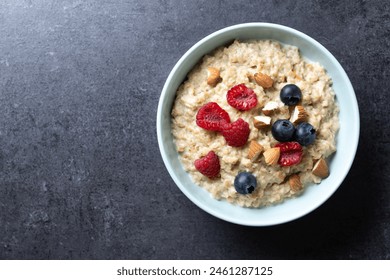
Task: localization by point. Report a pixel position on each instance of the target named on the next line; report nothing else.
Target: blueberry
(305, 134)
(290, 94)
(283, 130)
(245, 183)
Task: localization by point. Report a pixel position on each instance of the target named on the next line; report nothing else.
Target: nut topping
(270, 108)
(255, 150)
(321, 169)
(261, 122)
(298, 115)
(263, 80)
(214, 76)
(295, 183)
(271, 156)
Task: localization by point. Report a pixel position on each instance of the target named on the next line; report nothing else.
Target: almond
(298, 115)
(214, 76)
(295, 183)
(321, 169)
(261, 122)
(270, 107)
(271, 156)
(255, 150)
(263, 80)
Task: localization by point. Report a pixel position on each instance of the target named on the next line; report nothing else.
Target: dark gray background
(81, 176)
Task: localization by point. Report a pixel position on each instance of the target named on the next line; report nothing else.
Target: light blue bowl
(347, 138)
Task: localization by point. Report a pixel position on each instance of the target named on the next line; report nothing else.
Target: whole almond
(321, 168)
(263, 80)
(255, 150)
(271, 156)
(214, 76)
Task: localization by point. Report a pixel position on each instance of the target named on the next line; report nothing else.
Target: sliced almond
(261, 122)
(263, 80)
(270, 107)
(271, 156)
(295, 183)
(255, 150)
(321, 169)
(298, 115)
(214, 76)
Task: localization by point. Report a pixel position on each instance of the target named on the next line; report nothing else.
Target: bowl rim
(353, 143)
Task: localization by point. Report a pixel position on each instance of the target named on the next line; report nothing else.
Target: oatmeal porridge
(244, 139)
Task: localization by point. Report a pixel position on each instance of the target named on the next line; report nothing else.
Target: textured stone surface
(81, 175)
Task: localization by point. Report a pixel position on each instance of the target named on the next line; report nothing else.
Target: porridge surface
(237, 64)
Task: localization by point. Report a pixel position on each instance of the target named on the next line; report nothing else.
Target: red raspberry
(236, 133)
(212, 117)
(290, 153)
(241, 97)
(208, 165)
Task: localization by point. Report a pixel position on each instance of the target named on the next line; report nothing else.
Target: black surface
(81, 176)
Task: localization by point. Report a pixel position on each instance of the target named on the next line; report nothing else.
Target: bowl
(346, 140)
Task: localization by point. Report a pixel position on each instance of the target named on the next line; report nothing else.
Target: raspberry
(212, 117)
(236, 133)
(208, 165)
(290, 153)
(241, 97)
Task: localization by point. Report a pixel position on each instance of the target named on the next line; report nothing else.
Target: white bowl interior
(347, 138)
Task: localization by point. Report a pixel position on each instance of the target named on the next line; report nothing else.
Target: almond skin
(263, 80)
(298, 115)
(321, 168)
(271, 156)
(255, 150)
(261, 122)
(295, 183)
(270, 108)
(214, 76)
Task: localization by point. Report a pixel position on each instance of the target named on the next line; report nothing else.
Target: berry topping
(245, 183)
(283, 130)
(236, 133)
(290, 94)
(212, 117)
(290, 153)
(305, 134)
(208, 165)
(241, 97)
